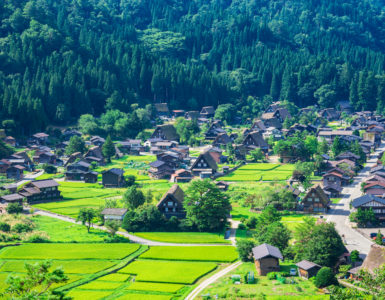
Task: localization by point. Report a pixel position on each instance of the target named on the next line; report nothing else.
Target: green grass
(185, 237)
(61, 231)
(156, 287)
(335, 200)
(224, 288)
(168, 271)
(49, 176)
(194, 253)
(114, 277)
(68, 251)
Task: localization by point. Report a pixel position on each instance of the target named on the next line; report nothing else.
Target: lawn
(68, 251)
(61, 231)
(260, 171)
(185, 237)
(168, 271)
(194, 253)
(224, 287)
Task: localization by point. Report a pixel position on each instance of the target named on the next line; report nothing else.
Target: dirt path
(211, 280)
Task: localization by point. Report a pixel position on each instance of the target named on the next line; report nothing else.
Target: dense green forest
(60, 59)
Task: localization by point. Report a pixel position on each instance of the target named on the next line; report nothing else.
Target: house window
(316, 199)
(170, 203)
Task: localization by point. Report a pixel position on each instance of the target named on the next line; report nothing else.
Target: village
(204, 178)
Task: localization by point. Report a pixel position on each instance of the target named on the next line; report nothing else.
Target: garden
(284, 288)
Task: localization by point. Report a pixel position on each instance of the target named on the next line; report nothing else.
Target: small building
(15, 172)
(166, 132)
(266, 258)
(90, 177)
(160, 170)
(44, 157)
(97, 140)
(10, 140)
(222, 185)
(113, 178)
(255, 140)
(171, 204)
(162, 109)
(316, 200)
(369, 201)
(114, 214)
(207, 112)
(176, 113)
(333, 190)
(40, 138)
(204, 164)
(181, 175)
(41, 191)
(307, 269)
(12, 198)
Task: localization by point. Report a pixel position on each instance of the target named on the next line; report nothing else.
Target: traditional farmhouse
(181, 175)
(307, 269)
(41, 191)
(15, 172)
(171, 204)
(162, 110)
(207, 112)
(255, 140)
(160, 170)
(371, 202)
(316, 200)
(166, 132)
(266, 259)
(376, 188)
(114, 214)
(113, 178)
(204, 164)
(12, 198)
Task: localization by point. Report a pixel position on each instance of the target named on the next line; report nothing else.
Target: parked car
(373, 235)
(293, 271)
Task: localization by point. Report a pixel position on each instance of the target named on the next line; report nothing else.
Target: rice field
(260, 172)
(185, 237)
(194, 253)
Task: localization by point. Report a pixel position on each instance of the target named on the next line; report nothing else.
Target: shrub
(130, 180)
(251, 222)
(272, 275)
(244, 248)
(116, 239)
(284, 274)
(5, 227)
(325, 277)
(49, 169)
(37, 238)
(242, 226)
(21, 227)
(14, 208)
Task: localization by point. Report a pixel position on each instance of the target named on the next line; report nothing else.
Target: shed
(307, 269)
(266, 258)
(116, 214)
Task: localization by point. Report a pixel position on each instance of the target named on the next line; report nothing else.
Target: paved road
(29, 177)
(133, 238)
(211, 280)
(339, 213)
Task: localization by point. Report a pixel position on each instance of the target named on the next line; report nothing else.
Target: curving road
(339, 213)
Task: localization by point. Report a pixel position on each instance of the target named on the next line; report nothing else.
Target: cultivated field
(185, 237)
(260, 172)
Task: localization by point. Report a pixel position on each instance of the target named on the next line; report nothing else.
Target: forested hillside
(63, 58)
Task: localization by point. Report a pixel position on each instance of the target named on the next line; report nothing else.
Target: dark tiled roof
(265, 250)
(12, 197)
(44, 183)
(306, 265)
(365, 199)
(115, 171)
(157, 164)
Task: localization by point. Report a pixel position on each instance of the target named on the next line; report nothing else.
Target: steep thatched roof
(375, 258)
(175, 192)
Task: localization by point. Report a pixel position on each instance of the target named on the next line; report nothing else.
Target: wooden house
(90, 177)
(207, 112)
(376, 188)
(348, 156)
(12, 198)
(170, 158)
(41, 191)
(258, 125)
(316, 200)
(171, 204)
(271, 121)
(222, 185)
(176, 113)
(44, 158)
(370, 201)
(40, 138)
(166, 132)
(222, 139)
(97, 140)
(214, 130)
(15, 172)
(10, 140)
(307, 269)
(4, 165)
(266, 258)
(332, 190)
(204, 164)
(375, 258)
(160, 170)
(68, 133)
(114, 214)
(162, 110)
(181, 175)
(192, 115)
(255, 140)
(329, 114)
(113, 178)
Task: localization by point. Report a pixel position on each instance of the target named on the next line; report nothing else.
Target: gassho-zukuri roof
(366, 199)
(114, 211)
(174, 192)
(306, 265)
(265, 250)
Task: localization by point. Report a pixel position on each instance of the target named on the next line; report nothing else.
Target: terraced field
(260, 172)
